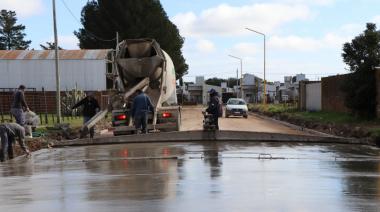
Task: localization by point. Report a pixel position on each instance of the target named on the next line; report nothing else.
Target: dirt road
(192, 120)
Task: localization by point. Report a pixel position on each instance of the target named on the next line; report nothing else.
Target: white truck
(142, 64)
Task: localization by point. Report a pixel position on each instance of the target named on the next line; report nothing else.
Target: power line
(209, 74)
(87, 31)
(282, 74)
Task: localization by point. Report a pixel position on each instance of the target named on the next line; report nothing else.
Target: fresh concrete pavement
(254, 164)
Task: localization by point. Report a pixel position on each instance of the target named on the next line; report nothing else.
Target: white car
(236, 107)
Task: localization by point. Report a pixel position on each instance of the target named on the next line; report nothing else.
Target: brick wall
(332, 94)
(333, 97)
(302, 96)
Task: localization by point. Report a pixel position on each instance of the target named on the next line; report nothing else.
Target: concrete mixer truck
(142, 64)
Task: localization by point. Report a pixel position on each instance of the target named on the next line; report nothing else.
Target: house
(250, 87)
(198, 92)
(289, 90)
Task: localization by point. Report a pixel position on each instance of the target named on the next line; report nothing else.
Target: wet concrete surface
(204, 176)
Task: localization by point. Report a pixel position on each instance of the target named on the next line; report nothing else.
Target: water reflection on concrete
(205, 176)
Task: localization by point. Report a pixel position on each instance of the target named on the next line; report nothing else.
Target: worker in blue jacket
(142, 105)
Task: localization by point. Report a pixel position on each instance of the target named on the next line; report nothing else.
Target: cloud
(68, 41)
(352, 28)
(205, 46)
(230, 20)
(308, 44)
(246, 49)
(65, 41)
(23, 8)
(295, 43)
(376, 20)
(309, 2)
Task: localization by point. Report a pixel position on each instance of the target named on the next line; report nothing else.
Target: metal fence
(44, 104)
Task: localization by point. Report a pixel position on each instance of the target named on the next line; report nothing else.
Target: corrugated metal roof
(94, 54)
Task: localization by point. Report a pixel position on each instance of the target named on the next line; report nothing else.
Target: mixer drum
(138, 59)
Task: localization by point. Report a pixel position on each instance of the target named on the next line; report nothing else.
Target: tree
(362, 55)
(215, 81)
(49, 46)
(101, 20)
(231, 82)
(11, 35)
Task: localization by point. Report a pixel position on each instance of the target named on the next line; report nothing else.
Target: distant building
(289, 90)
(251, 84)
(199, 80)
(287, 81)
(84, 69)
(198, 92)
(298, 78)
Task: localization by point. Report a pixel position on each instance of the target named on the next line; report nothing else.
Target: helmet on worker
(212, 91)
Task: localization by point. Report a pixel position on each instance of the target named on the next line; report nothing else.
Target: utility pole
(57, 77)
(265, 82)
(114, 64)
(241, 74)
(237, 80)
(241, 79)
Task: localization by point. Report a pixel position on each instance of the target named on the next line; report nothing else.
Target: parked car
(236, 107)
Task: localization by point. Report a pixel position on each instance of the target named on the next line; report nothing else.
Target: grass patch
(75, 122)
(320, 116)
(375, 131)
(325, 117)
(273, 108)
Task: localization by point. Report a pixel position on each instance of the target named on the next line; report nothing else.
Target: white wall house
(85, 69)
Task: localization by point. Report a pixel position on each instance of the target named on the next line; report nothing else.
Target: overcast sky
(303, 36)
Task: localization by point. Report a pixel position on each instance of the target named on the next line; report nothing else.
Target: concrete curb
(196, 136)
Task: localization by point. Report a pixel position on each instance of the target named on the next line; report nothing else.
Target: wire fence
(43, 103)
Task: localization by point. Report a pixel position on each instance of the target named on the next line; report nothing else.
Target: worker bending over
(9, 132)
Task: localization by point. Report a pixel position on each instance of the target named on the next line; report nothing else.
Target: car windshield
(235, 102)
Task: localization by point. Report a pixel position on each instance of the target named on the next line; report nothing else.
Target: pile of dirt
(34, 144)
(57, 134)
(102, 125)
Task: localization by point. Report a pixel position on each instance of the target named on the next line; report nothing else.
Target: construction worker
(214, 107)
(90, 109)
(142, 105)
(9, 132)
(19, 105)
